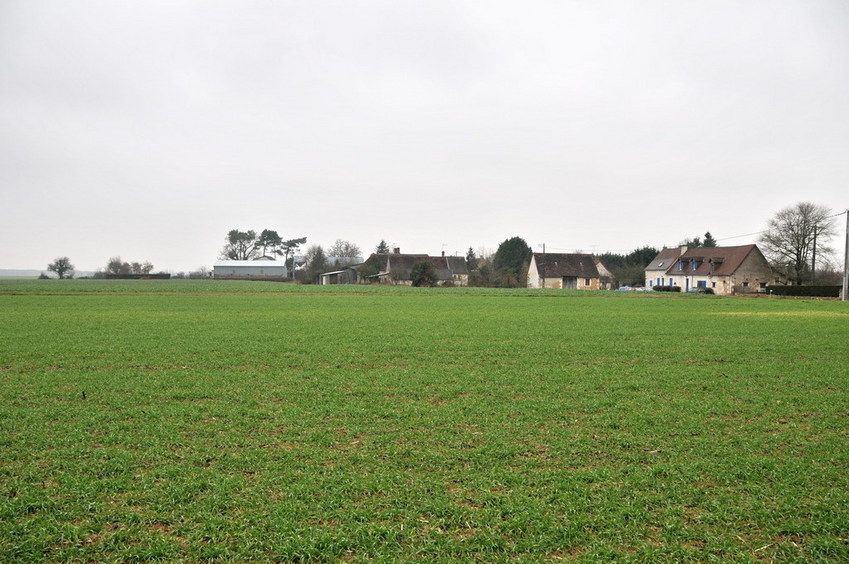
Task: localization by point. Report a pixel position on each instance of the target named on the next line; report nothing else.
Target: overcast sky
(149, 129)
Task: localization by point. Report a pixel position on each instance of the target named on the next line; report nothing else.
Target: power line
(741, 236)
(765, 230)
(593, 250)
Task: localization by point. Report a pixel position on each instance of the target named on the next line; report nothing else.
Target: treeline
(629, 269)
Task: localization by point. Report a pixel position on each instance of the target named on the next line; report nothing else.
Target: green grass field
(235, 421)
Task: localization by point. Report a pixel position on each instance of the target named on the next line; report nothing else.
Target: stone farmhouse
(726, 270)
(396, 268)
(568, 271)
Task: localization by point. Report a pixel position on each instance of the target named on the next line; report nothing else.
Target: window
(586, 281)
(746, 284)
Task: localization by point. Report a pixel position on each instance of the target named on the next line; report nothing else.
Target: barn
(250, 269)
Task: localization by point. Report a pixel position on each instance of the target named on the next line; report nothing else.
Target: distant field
(200, 420)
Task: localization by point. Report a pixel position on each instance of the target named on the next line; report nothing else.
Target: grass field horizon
(233, 421)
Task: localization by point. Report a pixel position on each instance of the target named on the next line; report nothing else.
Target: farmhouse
(396, 268)
(250, 269)
(568, 271)
(726, 270)
(448, 270)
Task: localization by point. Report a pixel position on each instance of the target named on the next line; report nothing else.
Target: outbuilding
(568, 271)
(236, 269)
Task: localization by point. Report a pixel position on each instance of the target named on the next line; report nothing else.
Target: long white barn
(250, 269)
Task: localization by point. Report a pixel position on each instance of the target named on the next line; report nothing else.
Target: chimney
(443, 254)
(397, 250)
(683, 249)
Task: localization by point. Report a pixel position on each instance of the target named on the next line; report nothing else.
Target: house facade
(726, 270)
(568, 271)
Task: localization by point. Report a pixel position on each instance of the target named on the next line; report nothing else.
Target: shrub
(667, 288)
(807, 291)
(423, 274)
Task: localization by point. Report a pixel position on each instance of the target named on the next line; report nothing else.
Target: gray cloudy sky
(148, 129)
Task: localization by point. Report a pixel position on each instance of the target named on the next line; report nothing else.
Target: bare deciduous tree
(344, 252)
(794, 234)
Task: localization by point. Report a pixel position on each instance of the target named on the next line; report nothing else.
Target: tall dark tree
(471, 259)
(794, 234)
(511, 262)
(709, 241)
(289, 248)
(270, 242)
(62, 266)
(382, 248)
(316, 263)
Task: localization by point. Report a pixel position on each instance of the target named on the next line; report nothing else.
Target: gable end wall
(755, 270)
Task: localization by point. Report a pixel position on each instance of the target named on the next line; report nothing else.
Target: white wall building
(250, 269)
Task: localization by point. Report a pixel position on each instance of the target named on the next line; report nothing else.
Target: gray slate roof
(444, 267)
(558, 265)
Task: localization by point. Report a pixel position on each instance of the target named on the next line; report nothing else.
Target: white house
(726, 270)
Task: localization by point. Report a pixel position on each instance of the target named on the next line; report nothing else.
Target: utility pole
(846, 262)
